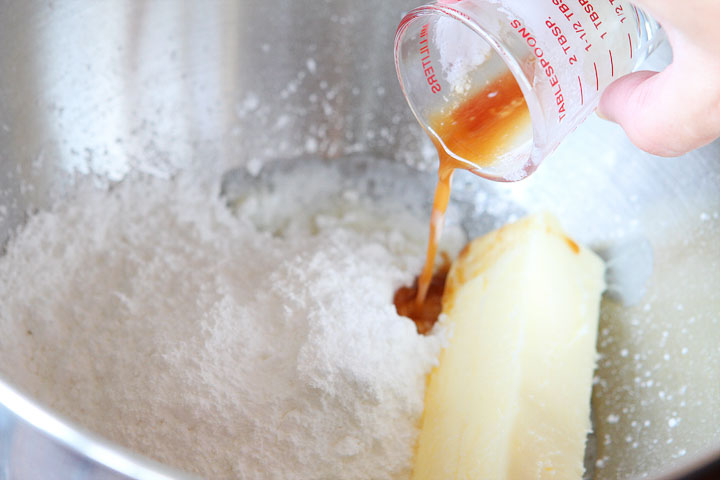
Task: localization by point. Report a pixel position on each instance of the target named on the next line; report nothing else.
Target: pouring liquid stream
(478, 129)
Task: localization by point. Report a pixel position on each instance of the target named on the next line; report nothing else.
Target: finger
(668, 113)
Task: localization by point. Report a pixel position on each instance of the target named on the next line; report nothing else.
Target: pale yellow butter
(510, 398)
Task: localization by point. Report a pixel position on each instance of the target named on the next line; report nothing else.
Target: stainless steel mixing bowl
(102, 88)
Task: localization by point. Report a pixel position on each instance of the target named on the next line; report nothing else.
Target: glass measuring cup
(558, 55)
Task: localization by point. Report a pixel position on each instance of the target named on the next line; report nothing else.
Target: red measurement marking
(457, 12)
(582, 96)
(427, 66)
(612, 65)
(631, 47)
(637, 15)
(597, 77)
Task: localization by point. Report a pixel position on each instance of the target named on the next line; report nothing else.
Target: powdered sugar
(461, 51)
(154, 316)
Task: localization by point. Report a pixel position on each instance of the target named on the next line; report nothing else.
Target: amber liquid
(479, 129)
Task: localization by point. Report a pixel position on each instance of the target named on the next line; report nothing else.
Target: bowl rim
(699, 467)
(136, 466)
(77, 439)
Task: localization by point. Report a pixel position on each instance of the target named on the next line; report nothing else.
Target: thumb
(672, 112)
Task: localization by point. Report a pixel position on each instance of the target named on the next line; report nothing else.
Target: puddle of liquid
(426, 315)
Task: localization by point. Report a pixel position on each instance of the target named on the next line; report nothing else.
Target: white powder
(461, 52)
(155, 317)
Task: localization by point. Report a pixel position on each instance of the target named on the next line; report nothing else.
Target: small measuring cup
(561, 53)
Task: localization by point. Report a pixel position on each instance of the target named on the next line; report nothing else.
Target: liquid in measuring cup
(485, 125)
(498, 85)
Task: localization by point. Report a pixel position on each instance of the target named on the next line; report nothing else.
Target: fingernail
(600, 114)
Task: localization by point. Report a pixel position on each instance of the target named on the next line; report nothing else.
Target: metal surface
(101, 88)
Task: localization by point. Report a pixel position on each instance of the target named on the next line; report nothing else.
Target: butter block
(510, 398)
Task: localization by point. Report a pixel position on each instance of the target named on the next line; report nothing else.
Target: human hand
(678, 110)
